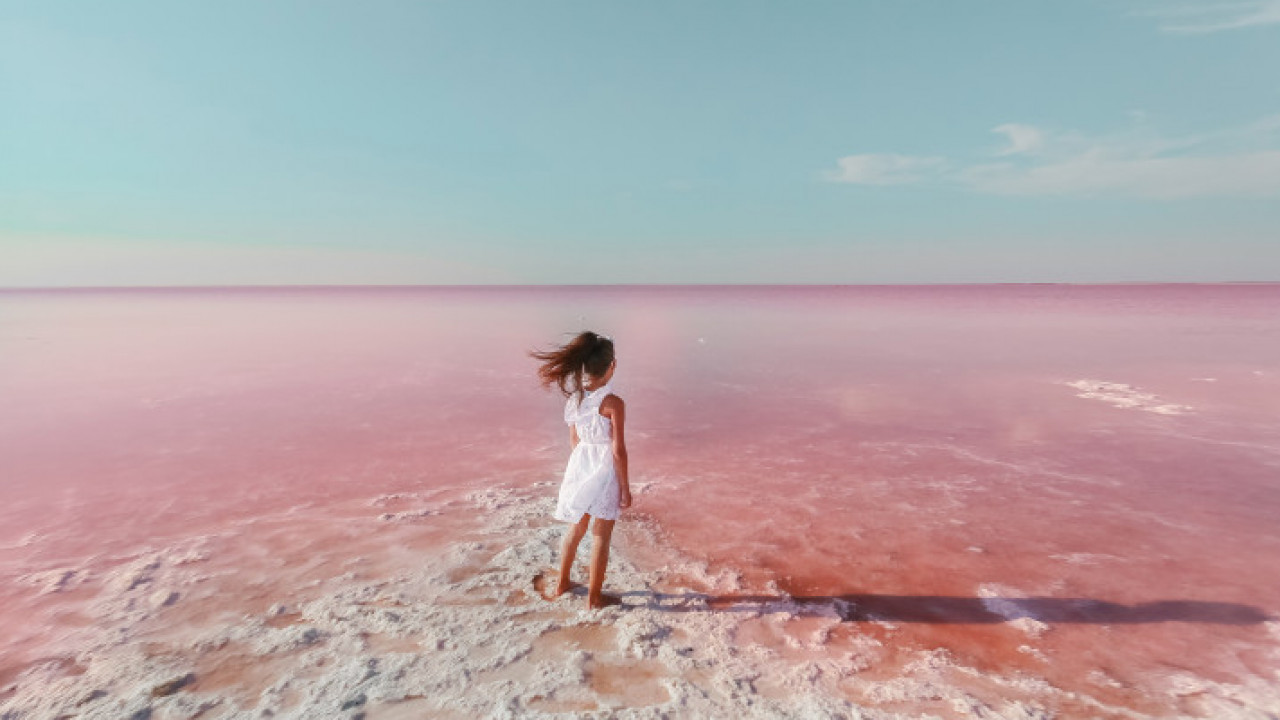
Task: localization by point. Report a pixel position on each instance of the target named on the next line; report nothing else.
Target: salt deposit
(457, 629)
(1122, 395)
(1003, 601)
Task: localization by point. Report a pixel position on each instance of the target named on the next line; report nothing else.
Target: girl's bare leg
(602, 532)
(568, 551)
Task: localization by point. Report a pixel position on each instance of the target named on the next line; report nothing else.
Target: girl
(595, 481)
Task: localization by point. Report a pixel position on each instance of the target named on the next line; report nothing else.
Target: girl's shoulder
(570, 408)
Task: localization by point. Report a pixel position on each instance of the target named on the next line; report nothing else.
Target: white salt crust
(461, 633)
(1003, 601)
(1125, 396)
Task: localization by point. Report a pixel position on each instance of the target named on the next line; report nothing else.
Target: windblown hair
(564, 366)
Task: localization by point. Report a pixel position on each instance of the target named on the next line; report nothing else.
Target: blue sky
(162, 143)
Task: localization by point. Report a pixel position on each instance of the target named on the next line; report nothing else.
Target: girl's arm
(573, 437)
(617, 413)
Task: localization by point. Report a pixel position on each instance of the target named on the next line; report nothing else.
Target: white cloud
(884, 169)
(1092, 173)
(1022, 138)
(1239, 162)
(1209, 17)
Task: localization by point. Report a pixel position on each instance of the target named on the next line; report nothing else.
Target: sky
(599, 142)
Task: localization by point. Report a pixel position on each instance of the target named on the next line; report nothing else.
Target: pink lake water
(880, 501)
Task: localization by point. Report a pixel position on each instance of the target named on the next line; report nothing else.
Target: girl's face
(608, 374)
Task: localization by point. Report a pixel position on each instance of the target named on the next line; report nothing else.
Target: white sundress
(590, 482)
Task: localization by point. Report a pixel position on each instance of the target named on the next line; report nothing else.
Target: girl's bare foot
(549, 590)
(603, 601)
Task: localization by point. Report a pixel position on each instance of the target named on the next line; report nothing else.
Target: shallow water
(1023, 501)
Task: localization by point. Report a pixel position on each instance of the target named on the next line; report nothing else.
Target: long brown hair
(588, 352)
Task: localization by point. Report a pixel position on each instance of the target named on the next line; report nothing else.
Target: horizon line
(534, 286)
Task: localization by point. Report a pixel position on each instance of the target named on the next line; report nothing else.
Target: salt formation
(384, 629)
(1125, 396)
(1003, 601)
